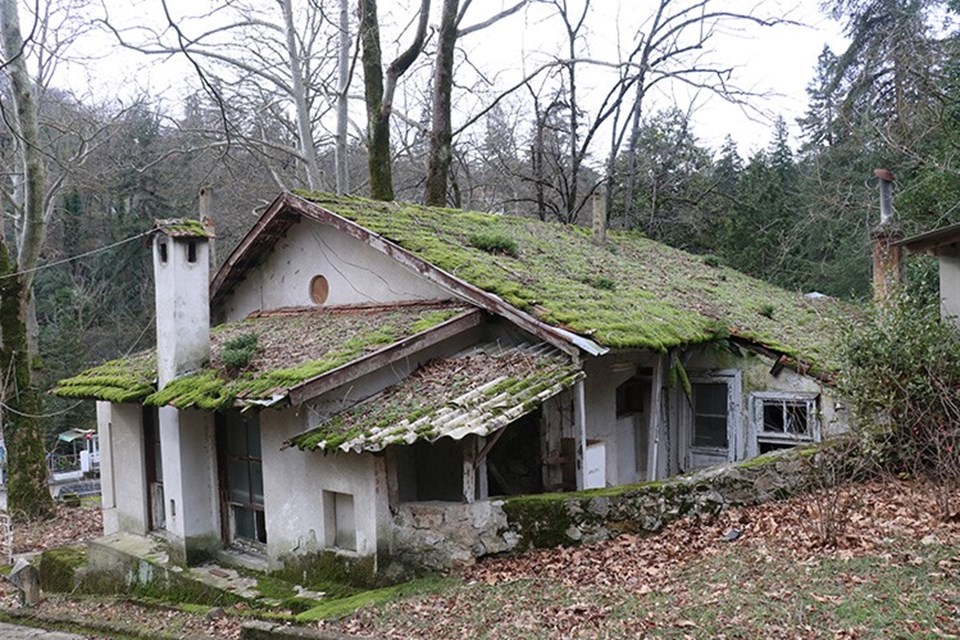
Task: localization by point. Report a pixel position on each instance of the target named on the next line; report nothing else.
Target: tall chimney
(599, 217)
(885, 239)
(208, 205)
(181, 267)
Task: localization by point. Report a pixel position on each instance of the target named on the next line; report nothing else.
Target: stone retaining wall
(439, 535)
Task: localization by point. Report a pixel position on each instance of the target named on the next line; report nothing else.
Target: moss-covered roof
(292, 348)
(473, 393)
(129, 379)
(630, 292)
(182, 228)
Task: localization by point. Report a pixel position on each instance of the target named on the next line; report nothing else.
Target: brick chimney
(181, 267)
(885, 240)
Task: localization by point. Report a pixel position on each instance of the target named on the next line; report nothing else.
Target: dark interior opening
(514, 465)
(430, 471)
(192, 251)
(163, 252)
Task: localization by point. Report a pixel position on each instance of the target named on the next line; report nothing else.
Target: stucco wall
(122, 470)
(606, 373)
(356, 274)
(293, 486)
(950, 287)
(190, 485)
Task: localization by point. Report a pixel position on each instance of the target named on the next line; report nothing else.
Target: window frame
(758, 435)
(235, 420)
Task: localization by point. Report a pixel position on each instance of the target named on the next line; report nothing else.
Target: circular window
(319, 289)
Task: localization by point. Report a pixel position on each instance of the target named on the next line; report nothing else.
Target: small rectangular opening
(192, 251)
(340, 520)
(163, 252)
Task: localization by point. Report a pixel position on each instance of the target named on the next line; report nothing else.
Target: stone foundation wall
(439, 535)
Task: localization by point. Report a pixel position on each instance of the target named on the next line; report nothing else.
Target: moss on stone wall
(60, 569)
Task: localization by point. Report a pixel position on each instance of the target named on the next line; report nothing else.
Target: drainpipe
(885, 240)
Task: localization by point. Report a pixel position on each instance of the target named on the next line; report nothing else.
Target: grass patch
(344, 606)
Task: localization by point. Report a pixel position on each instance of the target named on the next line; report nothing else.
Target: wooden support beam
(655, 424)
(580, 420)
(469, 468)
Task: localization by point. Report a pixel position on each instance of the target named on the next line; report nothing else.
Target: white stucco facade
(355, 273)
(122, 470)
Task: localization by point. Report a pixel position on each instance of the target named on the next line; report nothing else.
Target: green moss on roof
(183, 228)
(662, 297)
(129, 379)
(292, 348)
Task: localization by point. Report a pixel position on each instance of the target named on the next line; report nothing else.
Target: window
(192, 251)
(630, 397)
(162, 246)
(784, 420)
(340, 520)
(244, 477)
(710, 411)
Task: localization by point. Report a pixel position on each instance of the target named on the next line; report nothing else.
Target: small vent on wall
(319, 289)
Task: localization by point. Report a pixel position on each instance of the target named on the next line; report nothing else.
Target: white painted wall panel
(356, 273)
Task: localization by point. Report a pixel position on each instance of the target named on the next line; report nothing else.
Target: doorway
(241, 478)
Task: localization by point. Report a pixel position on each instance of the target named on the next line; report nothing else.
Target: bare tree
(379, 91)
(261, 62)
(23, 430)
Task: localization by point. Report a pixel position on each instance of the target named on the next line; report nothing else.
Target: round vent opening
(319, 289)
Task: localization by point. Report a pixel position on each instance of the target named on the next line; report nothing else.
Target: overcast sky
(778, 60)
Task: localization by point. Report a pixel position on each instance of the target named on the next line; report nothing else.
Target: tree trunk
(438, 165)
(343, 71)
(378, 122)
(304, 130)
(27, 494)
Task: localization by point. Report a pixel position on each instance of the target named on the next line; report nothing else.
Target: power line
(76, 257)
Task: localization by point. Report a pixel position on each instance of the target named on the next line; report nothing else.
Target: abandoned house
(353, 360)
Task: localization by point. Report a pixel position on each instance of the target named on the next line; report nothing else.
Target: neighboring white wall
(356, 273)
(604, 375)
(950, 287)
(182, 307)
(190, 479)
(293, 486)
(123, 474)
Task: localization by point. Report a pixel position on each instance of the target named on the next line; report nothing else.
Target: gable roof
(477, 393)
(300, 353)
(630, 292)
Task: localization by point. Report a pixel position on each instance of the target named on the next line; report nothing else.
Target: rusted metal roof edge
(932, 239)
(560, 338)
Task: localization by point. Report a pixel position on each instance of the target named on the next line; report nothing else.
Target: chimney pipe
(208, 203)
(885, 238)
(599, 217)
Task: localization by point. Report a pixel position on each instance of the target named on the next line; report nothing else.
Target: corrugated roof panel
(474, 393)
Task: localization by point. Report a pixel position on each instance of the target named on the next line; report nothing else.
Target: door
(241, 477)
(154, 464)
(711, 421)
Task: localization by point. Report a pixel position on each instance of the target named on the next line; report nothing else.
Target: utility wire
(76, 257)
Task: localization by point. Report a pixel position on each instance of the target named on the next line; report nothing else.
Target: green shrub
(766, 310)
(901, 375)
(711, 261)
(238, 352)
(495, 243)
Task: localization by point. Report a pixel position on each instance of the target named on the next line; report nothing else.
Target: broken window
(710, 411)
(784, 420)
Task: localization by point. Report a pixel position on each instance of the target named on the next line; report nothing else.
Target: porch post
(654, 426)
(469, 468)
(580, 420)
